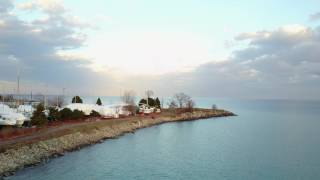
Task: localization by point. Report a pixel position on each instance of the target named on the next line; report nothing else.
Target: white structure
(144, 108)
(105, 111)
(10, 117)
(26, 110)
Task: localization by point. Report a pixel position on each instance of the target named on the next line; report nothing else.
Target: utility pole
(18, 87)
(63, 91)
(2, 97)
(58, 100)
(162, 101)
(45, 97)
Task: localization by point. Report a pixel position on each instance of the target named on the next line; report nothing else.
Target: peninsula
(56, 139)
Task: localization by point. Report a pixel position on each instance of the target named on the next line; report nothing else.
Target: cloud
(34, 48)
(280, 63)
(314, 17)
(149, 52)
(5, 6)
(48, 6)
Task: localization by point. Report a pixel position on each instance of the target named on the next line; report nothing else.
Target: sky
(232, 49)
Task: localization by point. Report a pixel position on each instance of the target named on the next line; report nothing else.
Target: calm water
(268, 140)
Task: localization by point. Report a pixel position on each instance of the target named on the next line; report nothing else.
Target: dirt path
(57, 131)
(50, 131)
(36, 135)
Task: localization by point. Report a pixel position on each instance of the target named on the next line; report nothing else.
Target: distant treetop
(77, 99)
(99, 102)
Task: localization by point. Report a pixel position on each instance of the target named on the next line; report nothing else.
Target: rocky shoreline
(17, 158)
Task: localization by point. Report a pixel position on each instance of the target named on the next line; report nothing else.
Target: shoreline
(38, 151)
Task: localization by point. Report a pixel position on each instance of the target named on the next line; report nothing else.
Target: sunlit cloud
(149, 52)
(103, 54)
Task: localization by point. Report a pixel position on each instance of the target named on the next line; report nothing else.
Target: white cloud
(279, 63)
(48, 6)
(149, 52)
(27, 6)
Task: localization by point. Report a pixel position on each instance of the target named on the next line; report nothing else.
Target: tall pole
(18, 87)
(2, 97)
(45, 97)
(63, 91)
(58, 100)
(147, 99)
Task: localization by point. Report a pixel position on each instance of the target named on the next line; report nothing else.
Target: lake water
(270, 139)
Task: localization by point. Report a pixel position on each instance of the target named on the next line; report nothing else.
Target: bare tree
(149, 93)
(55, 101)
(129, 98)
(182, 99)
(60, 101)
(190, 105)
(214, 107)
(172, 104)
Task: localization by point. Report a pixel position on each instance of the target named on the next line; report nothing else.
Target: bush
(39, 118)
(54, 114)
(95, 114)
(76, 114)
(77, 99)
(66, 113)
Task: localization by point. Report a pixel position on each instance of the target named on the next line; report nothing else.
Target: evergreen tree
(76, 99)
(54, 114)
(142, 101)
(39, 118)
(65, 114)
(151, 102)
(158, 104)
(99, 102)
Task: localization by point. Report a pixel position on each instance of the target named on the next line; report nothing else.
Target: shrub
(76, 99)
(66, 113)
(76, 114)
(99, 102)
(54, 114)
(95, 114)
(39, 118)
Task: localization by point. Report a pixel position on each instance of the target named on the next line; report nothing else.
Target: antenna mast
(18, 87)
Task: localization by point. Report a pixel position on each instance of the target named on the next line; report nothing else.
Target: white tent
(9, 116)
(105, 110)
